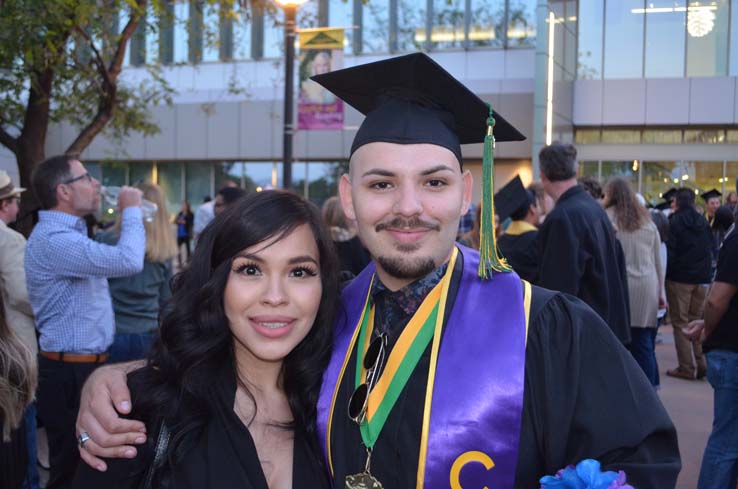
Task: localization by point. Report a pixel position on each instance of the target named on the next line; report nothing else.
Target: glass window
(273, 34)
(323, 178)
(734, 38)
(624, 39)
(707, 38)
(197, 183)
(587, 136)
(123, 17)
(662, 137)
(152, 36)
(181, 38)
(411, 17)
(113, 174)
(665, 38)
(521, 23)
(228, 173)
(621, 136)
(619, 169)
(241, 32)
(731, 174)
(590, 21)
(710, 136)
(375, 24)
(264, 174)
(589, 169)
(731, 136)
(169, 178)
(704, 176)
(487, 26)
(141, 172)
(448, 24)
(210, 32)
(657, 178)
(299, 178)
(307, 15)
(341, 14)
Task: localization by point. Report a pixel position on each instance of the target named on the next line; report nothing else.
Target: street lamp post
(290, 13)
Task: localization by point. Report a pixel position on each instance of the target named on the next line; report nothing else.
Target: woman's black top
(221, 455)
(13, 458)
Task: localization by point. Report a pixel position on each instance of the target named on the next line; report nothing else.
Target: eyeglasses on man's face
(85, 176)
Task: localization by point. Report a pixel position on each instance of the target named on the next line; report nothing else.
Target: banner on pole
(321, 51)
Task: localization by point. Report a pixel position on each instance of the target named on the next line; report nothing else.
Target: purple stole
(475, 416)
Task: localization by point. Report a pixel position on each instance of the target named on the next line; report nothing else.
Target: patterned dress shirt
(66, 275)
(394, 309)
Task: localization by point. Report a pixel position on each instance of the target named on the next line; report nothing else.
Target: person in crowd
(467, 221)
(641, 244)
(721, 223)
(582, 388)
(351, 253)
(687, 275)
(17, 387)
(593, 187)
(233, 378)
(226, 197)
(719, 335)
(139, 299)
(662, 224)
(518, 244)
(66, 276)
(711, 199)
(471, 238)
(732, 199)
(544, 202)
(203, 215)
(184, 220)
(577, 249)
(17, 307)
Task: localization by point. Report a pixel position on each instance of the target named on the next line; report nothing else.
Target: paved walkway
(689, 404)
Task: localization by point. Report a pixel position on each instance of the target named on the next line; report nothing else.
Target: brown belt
(75, 357)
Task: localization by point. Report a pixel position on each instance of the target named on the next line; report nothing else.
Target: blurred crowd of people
(78, 301)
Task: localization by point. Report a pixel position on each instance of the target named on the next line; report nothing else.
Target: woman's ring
(83, 437)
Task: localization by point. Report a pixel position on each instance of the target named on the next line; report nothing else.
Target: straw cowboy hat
(7, 189)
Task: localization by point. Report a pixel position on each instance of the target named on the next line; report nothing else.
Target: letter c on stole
(465, 458)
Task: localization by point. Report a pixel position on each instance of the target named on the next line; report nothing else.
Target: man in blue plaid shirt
(466, 223)
(66, 275)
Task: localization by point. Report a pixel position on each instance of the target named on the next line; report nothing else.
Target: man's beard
(406, 268)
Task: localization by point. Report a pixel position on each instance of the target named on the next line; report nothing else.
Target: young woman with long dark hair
(235, 373)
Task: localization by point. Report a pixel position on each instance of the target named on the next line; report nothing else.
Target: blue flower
(586, 475)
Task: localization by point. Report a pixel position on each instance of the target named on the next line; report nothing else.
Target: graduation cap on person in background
(512, 198)
(669, 194)
(711, 194)
(411, 99)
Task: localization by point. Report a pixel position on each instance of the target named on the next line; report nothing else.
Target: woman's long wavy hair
(160, 243)
(195, 341)
(18, 376)
(629, 213)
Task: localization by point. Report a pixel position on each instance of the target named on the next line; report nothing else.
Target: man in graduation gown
(466, 382)
(518, 244)
(578, 251)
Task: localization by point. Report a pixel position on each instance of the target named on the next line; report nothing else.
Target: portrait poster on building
(321, 51)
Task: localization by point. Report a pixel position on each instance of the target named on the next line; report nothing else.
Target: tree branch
(8, 141)
(99, 61)
(117, 62)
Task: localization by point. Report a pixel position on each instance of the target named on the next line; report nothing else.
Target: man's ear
(347, 200)
(468, 182)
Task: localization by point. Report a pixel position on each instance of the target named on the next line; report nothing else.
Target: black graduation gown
(222, 456)
(584, 397)
(521, 252)
(580, 255)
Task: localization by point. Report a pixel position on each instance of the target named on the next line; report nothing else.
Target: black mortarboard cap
(411, 99)
(710, 194)
(669, 194)
(510, 198)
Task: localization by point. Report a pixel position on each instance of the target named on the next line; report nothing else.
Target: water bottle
(148, 208)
